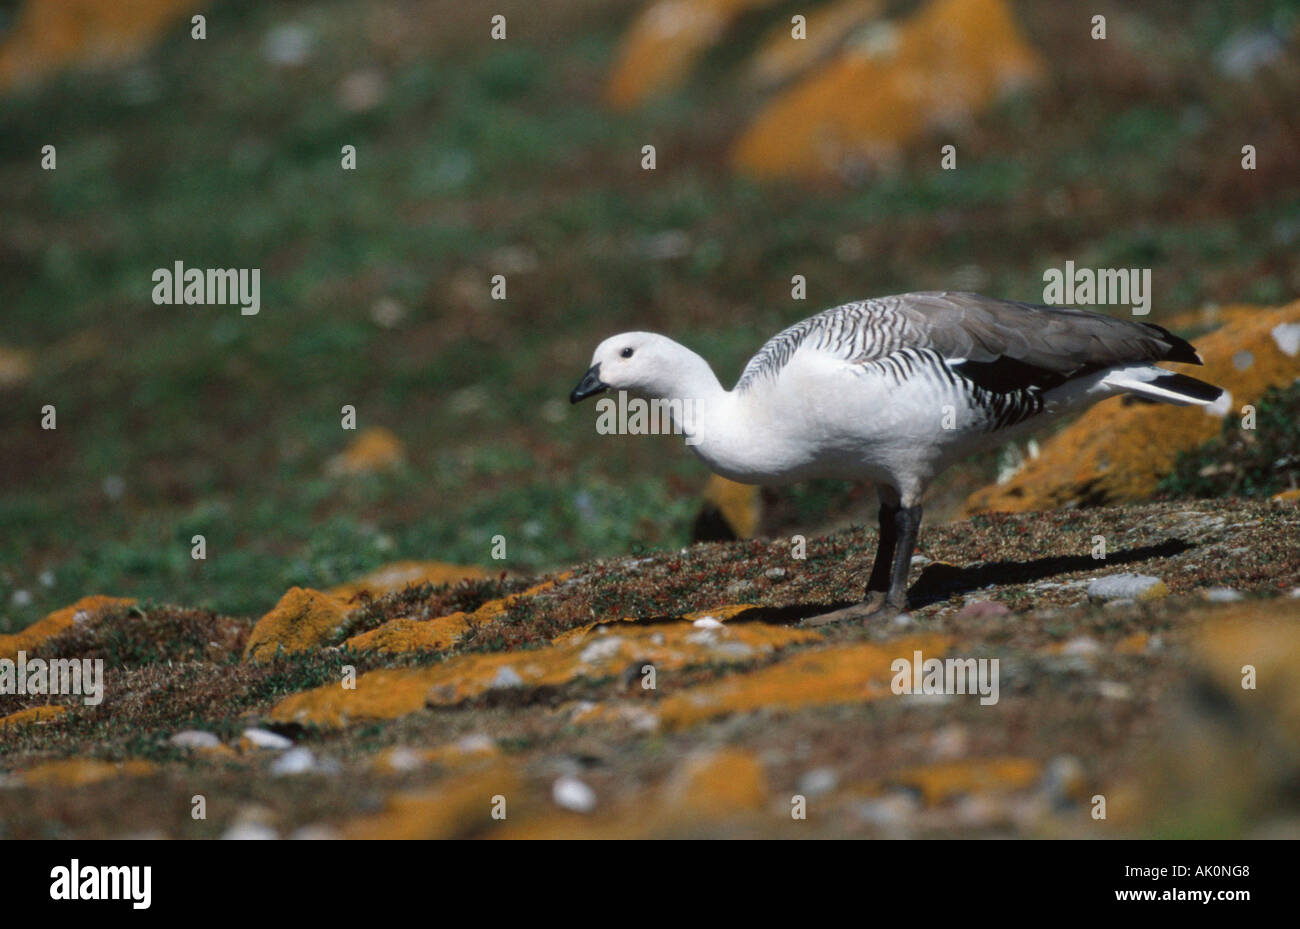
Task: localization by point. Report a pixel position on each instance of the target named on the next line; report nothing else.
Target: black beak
(590, 384)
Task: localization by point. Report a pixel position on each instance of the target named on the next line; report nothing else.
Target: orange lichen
(51, 34)
(739, 504)
(462, 807)
(665, 41)
(374, 449)
(781, 56)
(843, 674)
(84, 610)
(1134, 644)
(32, 715)
(938, 783)
(303, 619)
(1116, 453)
(943, 65)
(399, 575)
(411, 635)
(671, 646)
(717, 784)
(415, 635)
(78, 772)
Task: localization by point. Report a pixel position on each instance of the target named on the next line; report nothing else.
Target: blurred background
(523, 156)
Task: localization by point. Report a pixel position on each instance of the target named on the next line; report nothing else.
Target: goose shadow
(941, 581)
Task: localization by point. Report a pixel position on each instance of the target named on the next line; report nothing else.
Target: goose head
(639, 362)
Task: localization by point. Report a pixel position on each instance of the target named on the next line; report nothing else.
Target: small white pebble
(506, 676)
(298, 760)
(1223, 595)
(572, 794)
(242, 832)
(707, 622)
(264, 738)
(818, 781)
(194, 738)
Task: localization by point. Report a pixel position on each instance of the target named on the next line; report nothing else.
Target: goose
(893, 390)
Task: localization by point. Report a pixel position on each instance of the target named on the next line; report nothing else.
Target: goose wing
(998, 344)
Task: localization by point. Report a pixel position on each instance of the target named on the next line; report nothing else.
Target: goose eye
(626, 353)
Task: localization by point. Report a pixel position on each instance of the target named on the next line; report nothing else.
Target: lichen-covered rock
(78, 772)
(374, 449)
(29, 640)
(665, 646)
(729, 511)
(418, 635)
(1127, 587)
(665, 41)
(820, 677)
(940, 67)
(303, 619)
(51, 34)
(399, 575)
(31, 716)
(1118, 453)
(781, 57)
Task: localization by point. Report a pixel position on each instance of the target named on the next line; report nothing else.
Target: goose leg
(908, 522)
(886, 593)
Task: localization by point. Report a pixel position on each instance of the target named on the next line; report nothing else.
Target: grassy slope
(221, 424)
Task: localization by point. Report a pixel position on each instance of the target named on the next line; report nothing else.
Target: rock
(1223, 595)
(666, 39)
(707, 622)
(729, 511)
(374, 449)
(948, 62)
(780, 58)
(818, 781)
(85, 610)
(194, 738)
(569, 793)
(31, 716)
(506, 676)
(1127, 587)
(44, 38)
(299, 760)
(316, 832)
(244, 832)
(303, 620)
(264, 739)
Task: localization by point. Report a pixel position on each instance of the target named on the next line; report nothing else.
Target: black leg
(880, 570)
(908, 520)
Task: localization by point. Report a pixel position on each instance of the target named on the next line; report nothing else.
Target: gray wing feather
(968, 326)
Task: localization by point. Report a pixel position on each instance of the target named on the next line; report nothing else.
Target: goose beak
(590, 384)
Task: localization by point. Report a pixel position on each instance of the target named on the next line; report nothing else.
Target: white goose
(894, 390)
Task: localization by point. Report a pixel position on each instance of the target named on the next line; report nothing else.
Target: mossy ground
(1087, 690)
